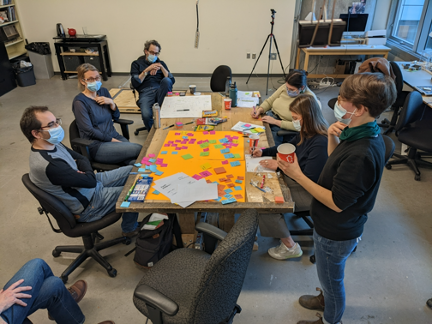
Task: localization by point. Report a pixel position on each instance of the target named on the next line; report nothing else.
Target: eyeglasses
(53, 124)
(153, 53)
(92, 79)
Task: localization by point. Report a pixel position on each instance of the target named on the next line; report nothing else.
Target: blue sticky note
(147, 167)
(137, 164)
(229, 156)
(218, 198)
(153, 168)
(228, 191)
(228, 196)
(156, 192)
(238, 181)
(152, 160)
(223, 140)
(158, 172)
(228, 201)
(141, 170)
(184, 137)
(225, 151)
(125, 204)
(238, 188)
(174, 152)
(164, 152)
(235, 163)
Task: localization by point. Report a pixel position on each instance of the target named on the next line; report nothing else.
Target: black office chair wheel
(417, 177)
(112, 273)
(136, 133)
(55, 253)
(388, 166)
(64, 279)
(127, 241)
(312, 258)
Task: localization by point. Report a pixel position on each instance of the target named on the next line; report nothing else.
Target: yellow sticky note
(259, 130)
(206, 166)
(235, 141)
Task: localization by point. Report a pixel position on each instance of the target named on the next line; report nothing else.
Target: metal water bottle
(227, 86)
(233, 94)
(156, 116)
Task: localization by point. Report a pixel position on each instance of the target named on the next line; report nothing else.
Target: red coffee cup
(253, 141)
(286, 152)
(227, 103)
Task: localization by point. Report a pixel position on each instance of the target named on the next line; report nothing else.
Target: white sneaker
(282, 252)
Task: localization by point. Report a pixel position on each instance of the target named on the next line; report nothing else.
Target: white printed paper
(185, 106)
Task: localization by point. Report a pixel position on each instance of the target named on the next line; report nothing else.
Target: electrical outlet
(248, 55)
(197, 35)
(273, 56)
(253, 56)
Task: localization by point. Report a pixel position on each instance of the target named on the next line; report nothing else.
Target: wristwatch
(145, 74)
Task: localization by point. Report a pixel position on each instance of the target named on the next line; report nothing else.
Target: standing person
(35, 287)
(311, 149)
(152, 79)
(347, 187)
(94, 112)
(276, 108)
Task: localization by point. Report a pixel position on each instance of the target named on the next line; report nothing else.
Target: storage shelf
(16, 54)
(8, 23)
(13, 43)
(77, 54)
(5, 6)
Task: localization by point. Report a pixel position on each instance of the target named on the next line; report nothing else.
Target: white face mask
(297, 124)
(340, 111)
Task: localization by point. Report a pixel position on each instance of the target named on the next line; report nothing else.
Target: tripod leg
(280, 60)
(268, 64)
(258, 58)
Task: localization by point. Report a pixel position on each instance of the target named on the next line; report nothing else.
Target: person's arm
(12, 296)
(138, 76)
(268, 103)
(60, 173)
(334, 132)
(82, 162)
(167, 72)
(271, 151)
(288, 125)
(84, 123)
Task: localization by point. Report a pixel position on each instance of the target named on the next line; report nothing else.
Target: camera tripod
(272, 37)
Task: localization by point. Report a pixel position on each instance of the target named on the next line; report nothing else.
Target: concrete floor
(388, 279)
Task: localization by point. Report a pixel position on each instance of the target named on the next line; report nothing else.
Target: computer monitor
(355, 24)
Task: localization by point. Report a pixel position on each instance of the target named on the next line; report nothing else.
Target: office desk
(417, 78)
(339, 50)
(254, 198)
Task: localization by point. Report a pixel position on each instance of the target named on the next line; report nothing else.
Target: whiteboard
(173, 107)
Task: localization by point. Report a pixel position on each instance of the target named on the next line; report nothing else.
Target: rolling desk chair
(219, 78)
(71, 228)
(200, 288)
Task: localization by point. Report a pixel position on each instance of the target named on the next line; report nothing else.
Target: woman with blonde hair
(311, 149)
(94, 111)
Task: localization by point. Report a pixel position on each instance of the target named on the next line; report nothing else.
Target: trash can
(24, 75)
(40, 57)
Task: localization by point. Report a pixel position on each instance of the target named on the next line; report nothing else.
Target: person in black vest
(347, 187)
(152, 79)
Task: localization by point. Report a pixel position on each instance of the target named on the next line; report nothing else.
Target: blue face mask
(94, 86)
(340, 111)
(297, 124)
(292, 94)
(151, 58)
(56, 135)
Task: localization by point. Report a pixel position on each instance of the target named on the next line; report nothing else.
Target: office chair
(305, 215)
(71, 228)
(414, 132)
(81, 145)
(192, 286)
(219, 78)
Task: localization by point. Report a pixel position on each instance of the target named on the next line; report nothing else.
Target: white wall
(229, 29)
(382, 11)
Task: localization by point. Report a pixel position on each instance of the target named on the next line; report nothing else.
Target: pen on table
(254, 107)
(190, 123)
(183, 110)
(221, 94)
(263, 180)
(169, 126)
(131, 188)
(257, 187)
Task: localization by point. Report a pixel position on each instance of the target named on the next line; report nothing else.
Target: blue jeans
(115, 152)
(108, 188)
(330, 259)
(48, 292)
(149, 96)
(274, 129)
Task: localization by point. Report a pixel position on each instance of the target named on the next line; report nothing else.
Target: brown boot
(77, 290)
(313, 302)
(319, 321)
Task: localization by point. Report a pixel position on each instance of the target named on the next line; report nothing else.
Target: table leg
(187, 223)
(226, 221)
(306, 62)
(386, 55)
(176, 230)
(298, 58)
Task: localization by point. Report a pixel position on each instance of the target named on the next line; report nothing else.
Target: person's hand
(115, 140)
(12, 295)
(269, 164)
(269, 120)
(152, 69)
(101, 100)
(292, 170)
(255, 114)
(336, 128)
(256, 152)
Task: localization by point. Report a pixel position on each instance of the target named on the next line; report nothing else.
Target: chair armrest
(81, 141)
(124, 121)
(211, 230)
(156, 299)
(124, 126)
(83, 145)
(284, 132)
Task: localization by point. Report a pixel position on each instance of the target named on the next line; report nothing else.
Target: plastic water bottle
(156, 116)
(233, 94)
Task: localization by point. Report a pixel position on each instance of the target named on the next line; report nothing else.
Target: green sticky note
(218, 146)
(204, 145)
(253, 131)
(204, 153)
(212, 141)
(187, 156)
(237, 156)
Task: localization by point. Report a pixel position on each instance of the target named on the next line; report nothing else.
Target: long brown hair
(82, 69)
(313, 120)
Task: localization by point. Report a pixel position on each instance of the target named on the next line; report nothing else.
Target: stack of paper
(245, 99)
(184, 190)
(248, 128)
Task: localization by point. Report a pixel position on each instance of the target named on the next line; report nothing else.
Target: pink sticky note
(212, 132)
(145, 158)
(173, 145)
(152, 155)
(225, 162)
(235, 137)
(177, 133)
(205, 174)
(196, 177)
(159, 160)
(184, 142)
(205, 133)
(263, 148)
(192, 141)
(184, 147)
(206, 149)
(247, 125)
(147, 163)
(178, 141)
(180, 124)
(235, 145)
(190, 134)
(206, 141)
(170, 142)
(163, 165)
(199, 142)
(166, 145)
(178, 148)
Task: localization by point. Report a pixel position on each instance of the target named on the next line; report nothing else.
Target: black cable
(197, 16)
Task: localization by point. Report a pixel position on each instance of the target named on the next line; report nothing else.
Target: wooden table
(254, 198)
(417, 78)
(339, 50)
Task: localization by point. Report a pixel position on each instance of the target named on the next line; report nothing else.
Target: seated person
(311, 149)
(68, 175)
(152, 79)
(276, 107)
(94, 112)
(34, 287)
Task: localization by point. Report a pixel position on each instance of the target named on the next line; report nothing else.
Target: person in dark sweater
(311, 149)
(94, 112)
(152, 79)
(347, 187)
